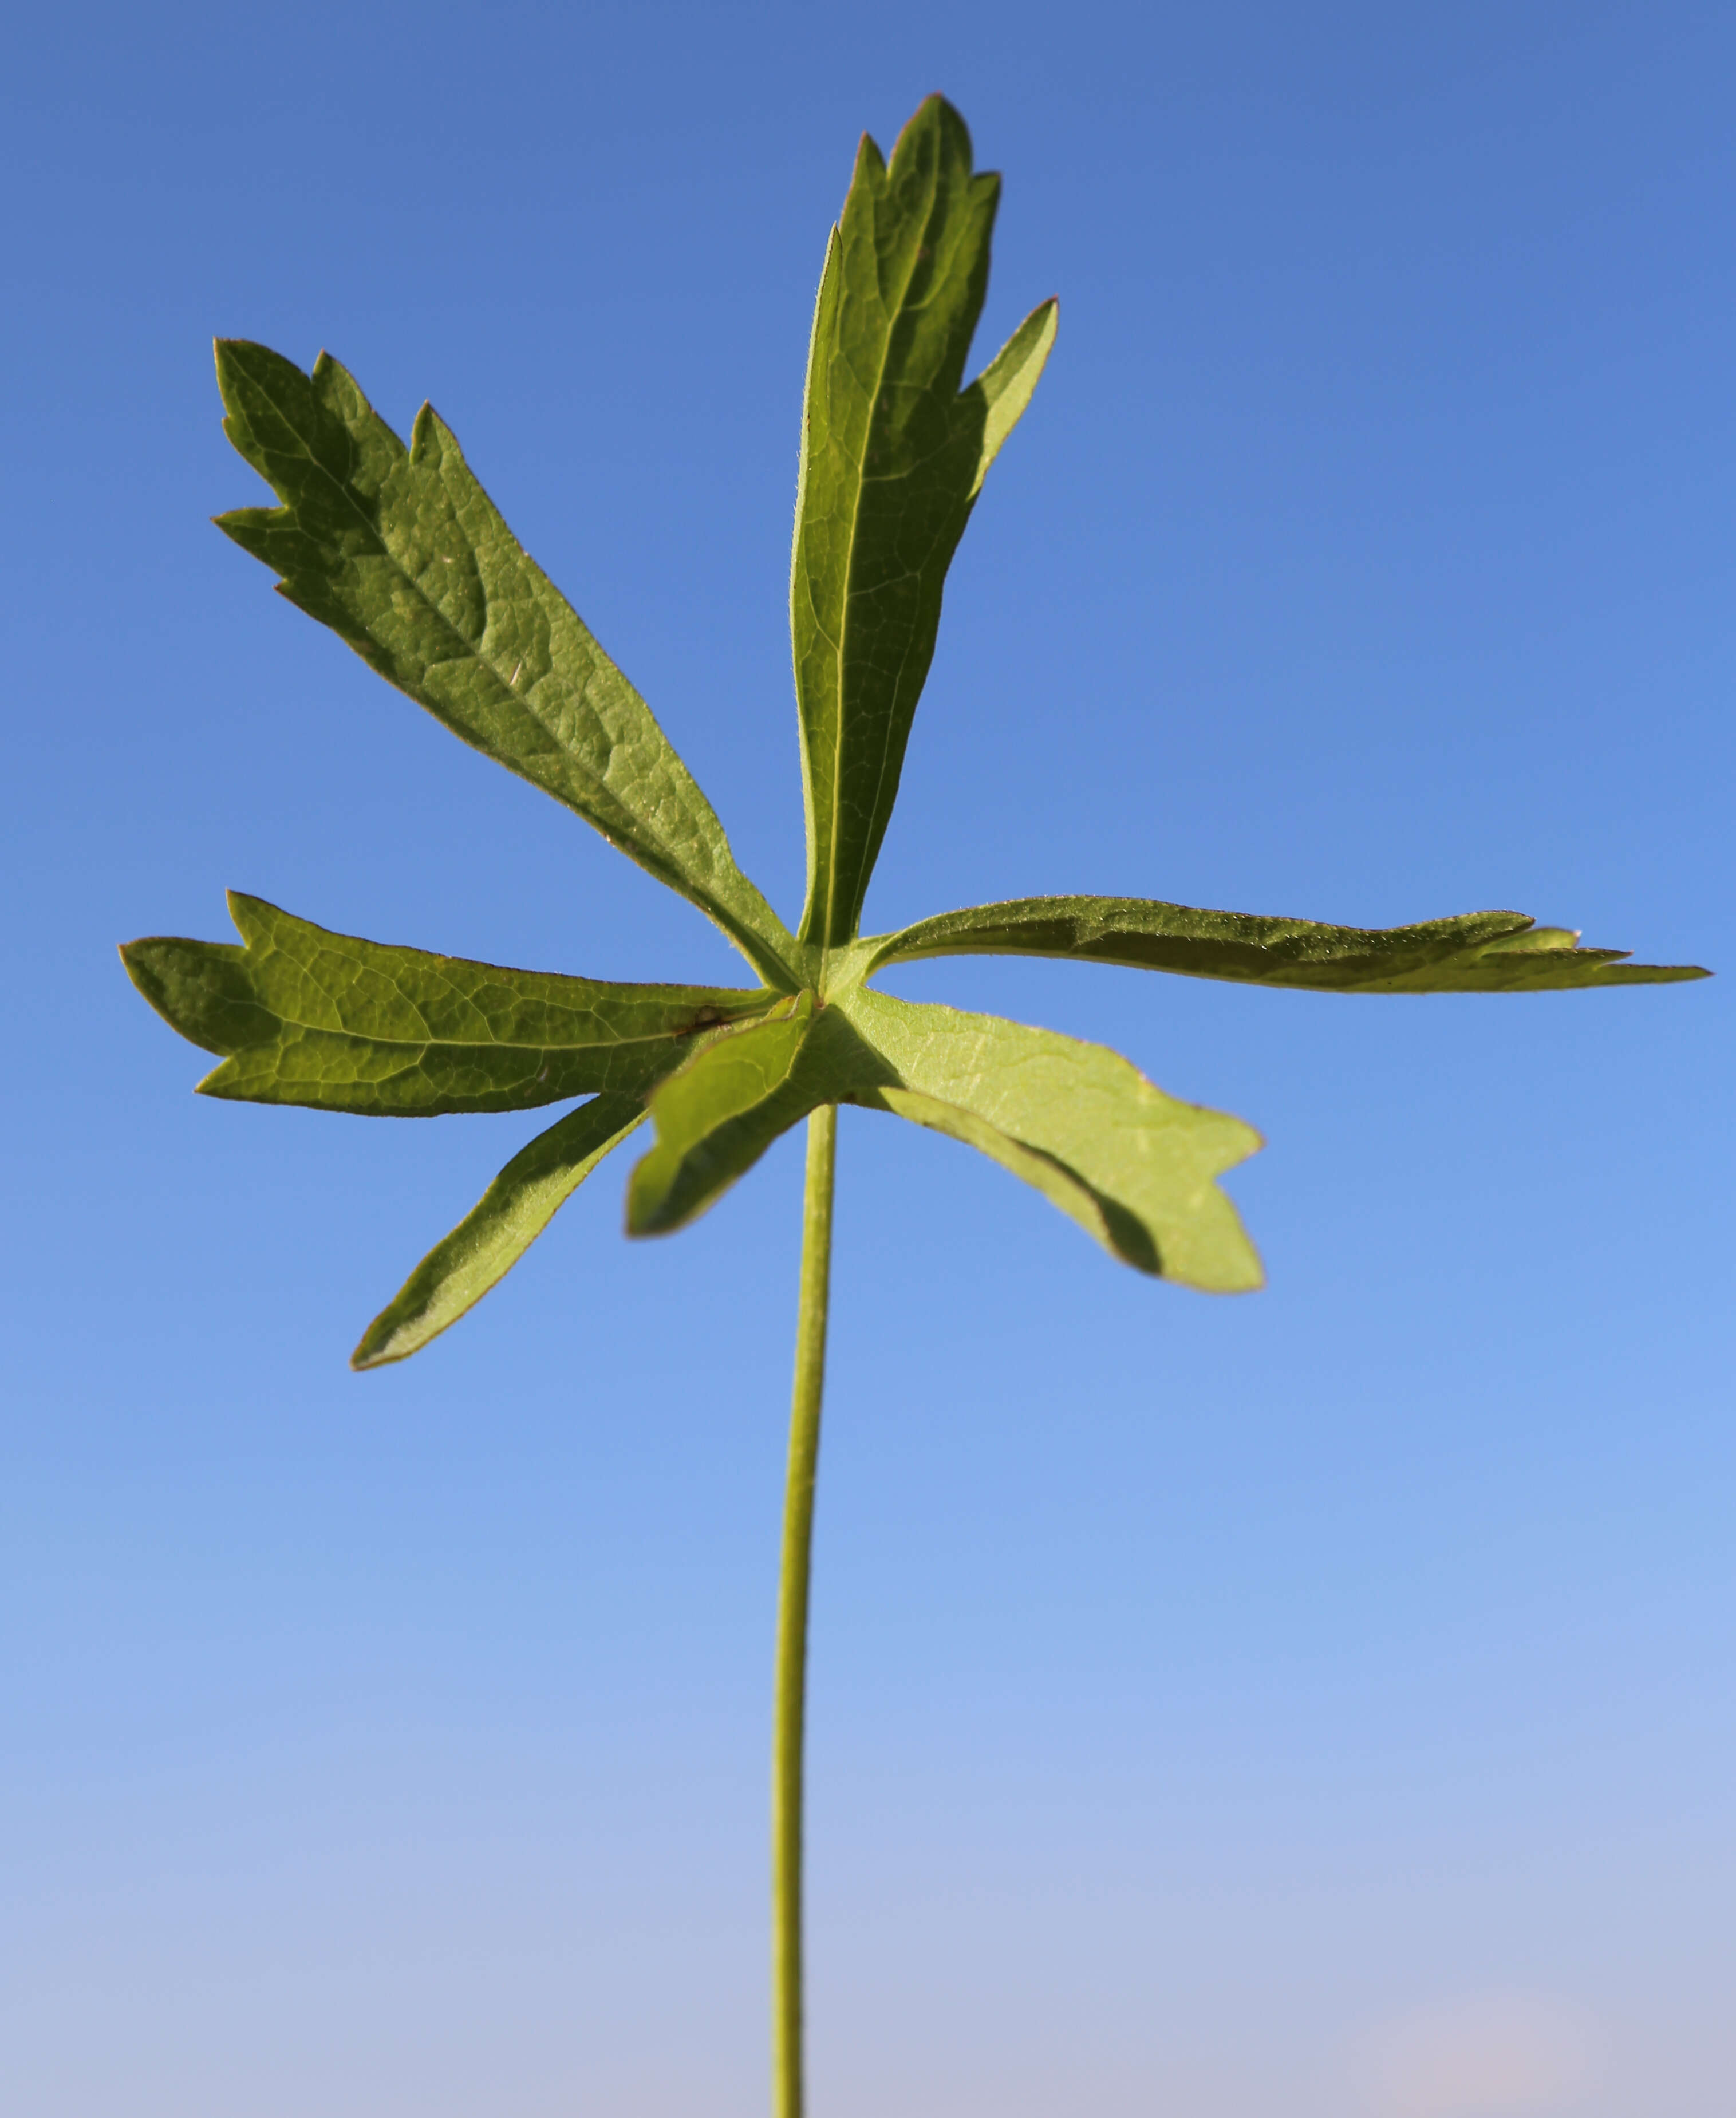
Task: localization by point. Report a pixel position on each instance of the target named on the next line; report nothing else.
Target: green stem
(791, 1699)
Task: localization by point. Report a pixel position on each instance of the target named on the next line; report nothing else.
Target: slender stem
(789, 1709)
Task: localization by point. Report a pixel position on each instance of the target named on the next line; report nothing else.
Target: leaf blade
(1007, 385)
(715, 1119)
(1136, 1168)
(1063, 1187)
(303, 1015)
(403, 555)
(1475, 952)
(893, 456)
(494, 1235)
(730, 1101)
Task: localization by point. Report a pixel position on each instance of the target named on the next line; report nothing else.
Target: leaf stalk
(789, 1701)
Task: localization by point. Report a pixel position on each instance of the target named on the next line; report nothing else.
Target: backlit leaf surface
(1133, 1166)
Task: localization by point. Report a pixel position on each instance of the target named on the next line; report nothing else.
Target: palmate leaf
(1133, 1167)
(492, 1238)
(893, 456)
(305, 1016)
(1478, 952)
(402, 553)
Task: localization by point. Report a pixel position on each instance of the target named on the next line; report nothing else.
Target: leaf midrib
(434, 1044)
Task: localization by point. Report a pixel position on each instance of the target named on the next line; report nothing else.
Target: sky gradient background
(1319, 1703)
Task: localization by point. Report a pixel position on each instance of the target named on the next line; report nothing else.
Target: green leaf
(893, 456)
(727, 1105)
(492, 1238)
(1133, 1167)
(1478, 952)
(405, 557)
(1007, 384)
(306, 1017)
(717, 1117)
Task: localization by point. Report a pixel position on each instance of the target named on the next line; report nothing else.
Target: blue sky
(1318, 1702)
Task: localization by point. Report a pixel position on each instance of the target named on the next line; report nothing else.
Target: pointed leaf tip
(491, 1239)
